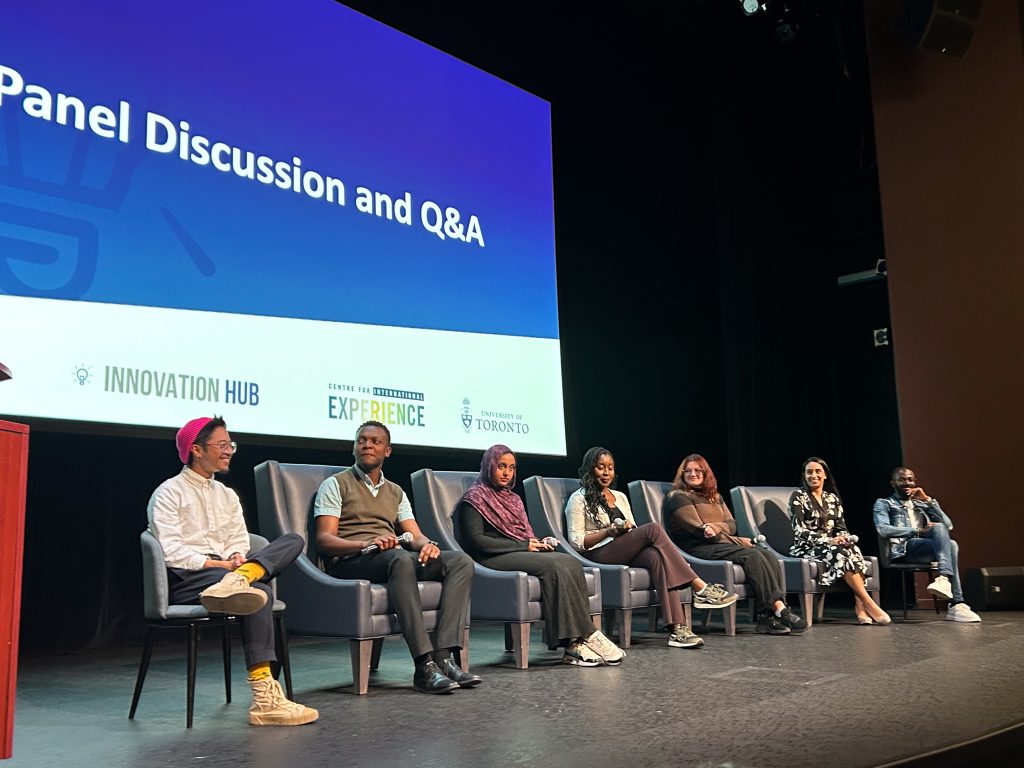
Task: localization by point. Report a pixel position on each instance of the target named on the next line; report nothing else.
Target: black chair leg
(378, 646)
(508, 636)
(282, 654)
(190, 693)
(226, 645)
(903, 587)
(147, 654)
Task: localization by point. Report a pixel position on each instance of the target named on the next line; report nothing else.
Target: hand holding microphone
(405, 538)
(551, 541)
(759, 540)
(619, 526)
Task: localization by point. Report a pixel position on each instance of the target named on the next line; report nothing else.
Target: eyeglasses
(224, 446)
(693, 471)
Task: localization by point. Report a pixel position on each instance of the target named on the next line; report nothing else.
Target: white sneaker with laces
(579, 654)
(941, 588)
(962, 612)
(605, 648)
(233, 595)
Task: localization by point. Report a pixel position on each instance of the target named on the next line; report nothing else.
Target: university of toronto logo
(467, 415)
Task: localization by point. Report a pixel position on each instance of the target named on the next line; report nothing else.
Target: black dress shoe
(453, 671)
(430, 679)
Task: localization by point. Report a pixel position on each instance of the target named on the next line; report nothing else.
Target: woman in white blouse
(601, 527)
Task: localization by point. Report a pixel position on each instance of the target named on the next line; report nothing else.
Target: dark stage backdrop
(951, 143)
(711, 183)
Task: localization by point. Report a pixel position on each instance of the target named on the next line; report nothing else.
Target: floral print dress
(813, 525)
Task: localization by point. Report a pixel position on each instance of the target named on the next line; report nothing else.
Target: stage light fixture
(750, 7)
(5, 372)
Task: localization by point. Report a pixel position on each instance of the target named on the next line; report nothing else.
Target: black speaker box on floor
(995, 589)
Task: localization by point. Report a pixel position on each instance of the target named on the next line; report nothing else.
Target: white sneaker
(233, 595)
(941, 588)
(579, 654)
(962, 612)
(605, 648)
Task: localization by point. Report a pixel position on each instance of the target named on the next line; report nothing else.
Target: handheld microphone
(620, 523)
(405, 538)
(759, 540)
(551, 541)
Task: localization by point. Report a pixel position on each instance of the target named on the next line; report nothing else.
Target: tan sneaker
(605, 648)
(233, 595)
(271, 707)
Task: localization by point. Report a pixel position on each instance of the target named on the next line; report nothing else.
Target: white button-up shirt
(193, 517)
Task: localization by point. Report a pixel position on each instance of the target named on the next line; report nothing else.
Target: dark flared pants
(762, 568)
(257, 628)
(565, 605)
(399, 570)
(648, 546)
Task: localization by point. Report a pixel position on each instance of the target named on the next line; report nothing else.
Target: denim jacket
(893, 523)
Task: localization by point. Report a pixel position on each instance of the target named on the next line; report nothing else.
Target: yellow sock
(259, 671)
(251, 571)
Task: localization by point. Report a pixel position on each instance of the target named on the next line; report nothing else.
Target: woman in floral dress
(820, 533)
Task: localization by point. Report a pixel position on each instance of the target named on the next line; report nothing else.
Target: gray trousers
(257, 628)
(399, 570)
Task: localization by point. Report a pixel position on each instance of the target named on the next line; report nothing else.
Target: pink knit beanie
(187, 436)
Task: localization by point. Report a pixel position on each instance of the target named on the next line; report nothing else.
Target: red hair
(708, 489)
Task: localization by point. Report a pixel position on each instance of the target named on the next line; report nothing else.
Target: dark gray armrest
(496, 592)
(319, 604)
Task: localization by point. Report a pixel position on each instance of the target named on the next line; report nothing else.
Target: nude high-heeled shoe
(862, 615)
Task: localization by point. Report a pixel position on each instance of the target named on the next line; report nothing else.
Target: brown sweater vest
(364, 517)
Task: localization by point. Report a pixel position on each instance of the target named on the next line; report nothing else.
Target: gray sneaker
(715, 596)
(682, 637)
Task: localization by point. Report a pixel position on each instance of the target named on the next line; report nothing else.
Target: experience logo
(356, 403)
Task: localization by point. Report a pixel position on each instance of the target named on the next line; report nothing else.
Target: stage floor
(839, 695)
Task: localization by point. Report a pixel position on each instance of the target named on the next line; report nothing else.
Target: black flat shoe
(453, 671)
(429, 679)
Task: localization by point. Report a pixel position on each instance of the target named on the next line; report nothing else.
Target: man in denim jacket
(918, 532)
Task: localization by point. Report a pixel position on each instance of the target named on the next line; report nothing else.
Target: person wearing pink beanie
(201, 529)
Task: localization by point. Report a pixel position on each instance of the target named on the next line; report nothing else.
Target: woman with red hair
(699, 522)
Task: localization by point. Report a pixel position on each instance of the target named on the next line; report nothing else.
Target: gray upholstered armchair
(510, 597)
(623, 588)
(319, 604)
(765, 510)
(646, 498)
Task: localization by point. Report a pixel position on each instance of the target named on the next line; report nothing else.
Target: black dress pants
(257, 628)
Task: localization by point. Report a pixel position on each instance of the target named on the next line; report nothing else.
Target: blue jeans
(936, 545)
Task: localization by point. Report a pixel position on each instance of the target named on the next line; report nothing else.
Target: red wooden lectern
(13, 478)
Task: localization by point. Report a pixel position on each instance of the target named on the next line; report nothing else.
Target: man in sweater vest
(359, 508)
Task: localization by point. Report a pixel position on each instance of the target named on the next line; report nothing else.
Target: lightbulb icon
(82, 373)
